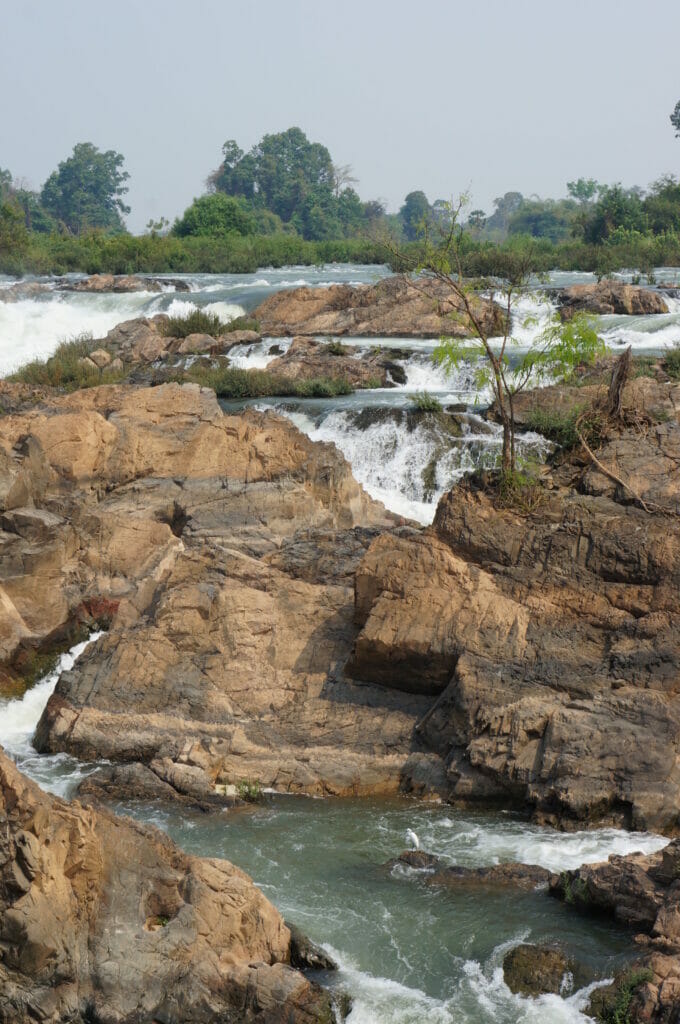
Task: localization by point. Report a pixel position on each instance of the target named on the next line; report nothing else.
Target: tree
(675, 119)
(414, 213)
(476, 219)
(543, 218)
(5, 183)
(86, 190)
(616, 207)
(342, 178)
(13, 237)
(555, 353)
(506, 205)
(583, 190)
(215, 216)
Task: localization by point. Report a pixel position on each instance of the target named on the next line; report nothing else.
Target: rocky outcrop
(106, 921)
(309, 359)
(642, 892)
(527, 877)
(609, 297)
(549, 640)
(225, 547)
(394, 307)
(122, 283)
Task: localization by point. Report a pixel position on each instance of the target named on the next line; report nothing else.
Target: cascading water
(408, 952)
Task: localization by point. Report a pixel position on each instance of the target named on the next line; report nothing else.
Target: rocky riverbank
(104, 919)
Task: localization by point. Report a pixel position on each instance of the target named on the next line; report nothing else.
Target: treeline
(97, 252)
(285, 202)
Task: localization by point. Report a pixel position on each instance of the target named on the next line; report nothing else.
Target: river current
(408, 952)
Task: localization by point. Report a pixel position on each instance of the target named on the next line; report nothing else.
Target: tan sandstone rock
(105, 918)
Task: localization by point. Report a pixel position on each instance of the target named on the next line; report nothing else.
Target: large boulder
(107, 921)
(609, 297)
(308, 359)
(394, 307)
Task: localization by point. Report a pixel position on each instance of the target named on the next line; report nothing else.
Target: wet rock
(530, 970)
(23, 290)
(609, 297)
(103, 919)
(305, 955)
(394, 307)
(521, 876)
(308, 359)
(123, 283)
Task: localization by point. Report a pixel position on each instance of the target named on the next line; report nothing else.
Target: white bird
(412, 838)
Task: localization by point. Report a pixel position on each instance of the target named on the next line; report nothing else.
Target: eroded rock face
(533, 970)
(609, 297)
(394, 307)
(105, 920)
(227, 546)
(551, 639)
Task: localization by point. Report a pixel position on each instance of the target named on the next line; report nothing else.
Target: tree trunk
(620, 375)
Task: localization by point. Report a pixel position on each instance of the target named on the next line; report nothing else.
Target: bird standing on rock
(412, 838)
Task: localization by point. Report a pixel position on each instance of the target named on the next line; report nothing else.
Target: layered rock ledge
(106, 921)
(395, 307)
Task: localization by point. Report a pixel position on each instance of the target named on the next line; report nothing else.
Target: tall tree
(414, 213)
(675, 119)
(86, 190)
(583, 190)
(284, 173)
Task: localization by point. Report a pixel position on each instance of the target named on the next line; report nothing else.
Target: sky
(482, 97)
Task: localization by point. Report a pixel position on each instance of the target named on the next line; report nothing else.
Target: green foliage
(564, 427)
(424, 402)
(195, 322)
(616, 207)
(583, 190)
(414, 214)
(543, 218)
(14, 238)
(228, 382)
(520, 491)
(86, 190)
(336, 348)
(612, 1005)
(214, 216)
(64, 368)
(675, 119)
(671, 362)
(250, 791)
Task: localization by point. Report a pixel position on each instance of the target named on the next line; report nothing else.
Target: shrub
(425, 402)
(250, 791)
(65, 369)
(563, 427)
(672, 362)
(228, 382)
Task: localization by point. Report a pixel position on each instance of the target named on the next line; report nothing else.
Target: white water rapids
(408, 953)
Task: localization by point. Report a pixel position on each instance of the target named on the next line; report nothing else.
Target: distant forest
(286, 200)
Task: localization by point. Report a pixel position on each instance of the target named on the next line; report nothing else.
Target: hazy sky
(444, 96)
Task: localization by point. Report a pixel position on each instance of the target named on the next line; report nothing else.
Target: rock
(394, 307)
(609, 297)
(116, 365)
(111, 283)
(100, 357)
(308, 359)
(196, 343)
(528, 877)
(227, 341)
(305, 955)
(550, 641)
(88, 364)
(228, 545)
(103, 919)
(149, 348)
(23, 290)
(530, 970)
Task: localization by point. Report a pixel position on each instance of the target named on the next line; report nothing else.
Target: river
(408, 953)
